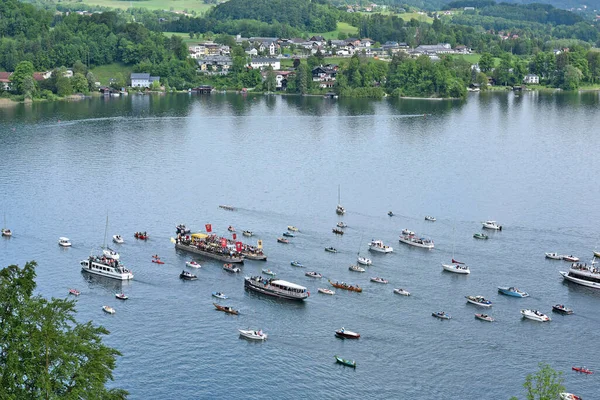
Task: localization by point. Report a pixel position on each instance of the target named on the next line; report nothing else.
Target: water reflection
(107, 284)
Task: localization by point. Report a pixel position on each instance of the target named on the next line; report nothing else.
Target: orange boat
(345, 286)
(226, 309)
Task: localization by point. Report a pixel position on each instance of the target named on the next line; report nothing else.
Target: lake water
(151, 162)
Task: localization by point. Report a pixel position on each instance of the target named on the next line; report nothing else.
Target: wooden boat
(377, 279)
(74, 292)
(356, 268)
(230, 268)
(188, 276)
(253, 335)
(268, 272)
(484, 317)
(193, 264)
(326, 291)
(141, 235)
(219, 295)
(402, 292)
(337, 231)
(288, 234)
(313, 274)
(297, 264)
(226, 309)
(108, 309)
(560, 308)
(283, 240)
(441, 315)
(292, 228)
(121, 296)
(346, 334)
(480, 236)
(583, 370)
(348, 363)
(345, 286)
(247, 233)
(331, 249)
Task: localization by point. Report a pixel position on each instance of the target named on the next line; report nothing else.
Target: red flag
(223, 242)
(208, 227)
(234, 236)
(238, 246)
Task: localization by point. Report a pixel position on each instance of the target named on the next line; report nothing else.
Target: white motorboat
(253, 335)
(535, 315)
(341, 224)
(479, 301)
(377, 279)
(121, 296)
(364, 260)
(356, 268)
(485, 317)
(570, 258)
(193, 264)
(456, 268)
(326, 291)
(247, 233)
(413, 240)
(554, 256)
(64, 242)
(429, 218)
(188, 276)
(313, 274)
(378, 246)
(108, 309)
(118, 239)
(402, 292)
(491, 225)
(339, 209)
(5, 231)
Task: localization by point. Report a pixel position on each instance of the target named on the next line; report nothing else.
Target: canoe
(108, 309)
(345, 286)
(157, 261)
(225, 309)
(348, 363)
(583, 370)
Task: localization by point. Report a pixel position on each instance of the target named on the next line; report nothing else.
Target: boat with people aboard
(211, 246)
(512, 291)
(339, 210)
(181, 229)
(297, 264)
(390, 214)
(283, 240)
(231, 268)
(253, 253)
(429, 218)
(569, 396)
(414, 240)
(484, 317)
(341, 224)
(343, 361)
(356, 268)
(288, 234)
(597, 254)
(313, 274)
(346, 334)
(570, 258)
(583, 370)
(583, 274)
(64, 242)
(292, 228)
(491, 225)
(226, 207)
(554, 256)
(231, 228)
(535, 315)
(157, 260)
(377, 279)
(5, 231)
(247, 233)
(479, 301)
(74, 292)
(268, 272)
(326, 291)
(193, 264)
(364, 260)
(379, 247)
(337, 231)
(226, 309)
(560, 308)
(456, 267)
(219, 295)
(141, 235)
(253, 335)
(331, 249)
(441, 315)
(108, 309)
(482, 236)
(121, 296)
(118, 239)
(345, 286)
(402, 292)
(406, 231)
(108, 267)
(188, 276)
(276, 288)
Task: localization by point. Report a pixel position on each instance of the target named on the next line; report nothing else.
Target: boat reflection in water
(102, 282)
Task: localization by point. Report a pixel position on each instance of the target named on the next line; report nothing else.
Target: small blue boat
(288, 234)
(297, 264)
(512, 291)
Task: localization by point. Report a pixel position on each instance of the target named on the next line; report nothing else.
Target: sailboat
(107, 251)
(360, 259)
(5, 231)
(456, 266)
(339, 209)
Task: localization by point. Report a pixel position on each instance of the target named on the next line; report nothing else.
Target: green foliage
(486, 62)
(19, 79)
(546, 384)
(44, 351)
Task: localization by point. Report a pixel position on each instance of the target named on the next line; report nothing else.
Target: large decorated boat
(276, 288)
(209, 246)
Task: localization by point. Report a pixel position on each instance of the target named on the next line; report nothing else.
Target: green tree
(80, 84)
(270, 81)
(486, 62)
(64, 86)
(28, 86)
(23, 70)
(80, 68)
(571, 78)
(91, 79)
(301, 79)
(546, 384)
(44, 352)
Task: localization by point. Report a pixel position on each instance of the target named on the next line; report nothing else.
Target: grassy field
(103, 73)
(185, 36)
(417, 16)
(343, 27)
(174, 5)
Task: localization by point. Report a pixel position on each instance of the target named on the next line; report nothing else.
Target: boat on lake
(141, 235)
(480, 236)
(268, 272)
(554, 256)
(346, 334)
(64, 242)
(484, 317)
(74, 292)
(377, 279)
(110, 268)
(118, 239)
(429, 218)
(313, 274)
(231, 268)
(583, 274)
(292, 228)
(569, 396)
(364, 260)
(583, 370)
(535, 315)
(379, 247)
(479, 301)
(341, 224)
(390, 214)
(231, 228)
(121, 296)
(413, 240)
(181, 229)
(228, 208)
(225, 309)
(297, 264)
(570, 258)
(491, 225)
(288, 234)
(560, 308)
(253, 335)
(331, 249)
(345, 286)
(402, 292)
(283, 240)
(5, 231)
(512, 291)
(247, 233)
(343, 361)
(356, 268)
(108, 310)
(339, 210)
(276, 288)
(188, 276)
(456, 268)
(441, 315)
(193, 264)
(326, 291)
(337, 231)
(219, 295)
(211, 246)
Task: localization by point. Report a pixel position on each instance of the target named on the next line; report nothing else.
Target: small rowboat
(402, 292)
(484, 317)
(141, 235)
(313, 274)
(297, 264)
(571, 258)
(268, 272)
(292, 228)
(377, 279)
(193, 264)
(345, 286)
(74, 292)
(121, 296)
(326, 291)
(356, 268)
(253, 335)
(225, 309)
(348, 363)
(331, 249)
(480, 236)
(230, 268)
(283, 240)
(441, 315)
(288, 234)
(560, 308)
(219, 295)
(337, 231)
(247, 233)
(583, 370)
(345, 334)
(108, 309)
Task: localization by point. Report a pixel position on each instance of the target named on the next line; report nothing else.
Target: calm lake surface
(151, 162)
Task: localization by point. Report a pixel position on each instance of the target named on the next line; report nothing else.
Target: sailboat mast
(105, 232)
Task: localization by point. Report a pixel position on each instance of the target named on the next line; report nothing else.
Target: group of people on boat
(210, 244)
(585, 267)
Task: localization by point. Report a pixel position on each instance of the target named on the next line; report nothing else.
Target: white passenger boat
(491, 225)
(118, 239)
(253, 335)
(364, 260)
(378, 246)
(64, 242)
(535, 315)
(583, 274)
(554, 256)
(456, 268)
(276, 288)
(413, 240)
(107, 267)
(479, 301)
(402, 292)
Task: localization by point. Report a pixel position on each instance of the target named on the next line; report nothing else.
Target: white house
(261, 62)
(531, 79)
(143, 79)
